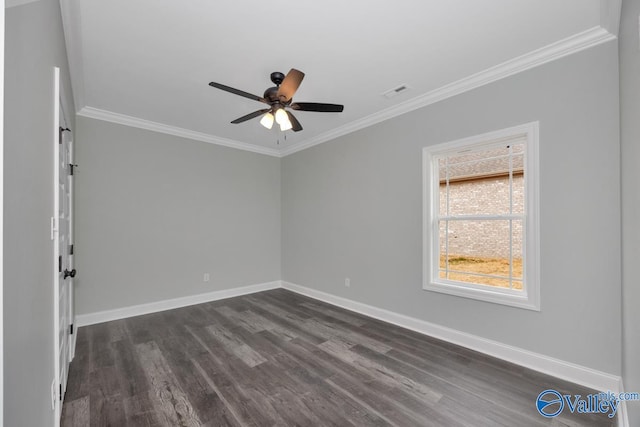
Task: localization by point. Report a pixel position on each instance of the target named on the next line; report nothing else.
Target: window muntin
(481, 228)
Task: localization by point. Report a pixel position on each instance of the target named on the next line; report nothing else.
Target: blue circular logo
(549, 403)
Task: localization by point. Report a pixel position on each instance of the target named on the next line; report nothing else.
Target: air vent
(395, 91)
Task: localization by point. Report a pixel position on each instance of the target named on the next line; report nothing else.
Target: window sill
(505, 297)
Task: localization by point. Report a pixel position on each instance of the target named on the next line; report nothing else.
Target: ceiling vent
(395, 91)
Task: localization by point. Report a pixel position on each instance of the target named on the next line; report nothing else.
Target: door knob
(68, 273)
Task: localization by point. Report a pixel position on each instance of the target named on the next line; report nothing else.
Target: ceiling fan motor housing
(277, 77)
(271, 95)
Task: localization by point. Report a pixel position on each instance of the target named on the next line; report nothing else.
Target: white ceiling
(148, 63)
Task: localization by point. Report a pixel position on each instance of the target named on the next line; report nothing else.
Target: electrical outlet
(54, 395)
(347, 282)
(206, 277)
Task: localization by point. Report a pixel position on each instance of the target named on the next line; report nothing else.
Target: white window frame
(529, 297)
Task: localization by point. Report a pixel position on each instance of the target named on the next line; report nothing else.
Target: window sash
(529, 296)
(436, 165)
(437, 243)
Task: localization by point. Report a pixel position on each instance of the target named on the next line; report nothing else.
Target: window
(480, 217)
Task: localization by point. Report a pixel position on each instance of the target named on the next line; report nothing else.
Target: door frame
(1, 212)
(62, 259)
(57, 403)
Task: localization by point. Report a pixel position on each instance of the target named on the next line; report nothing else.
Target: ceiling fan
(279, 99)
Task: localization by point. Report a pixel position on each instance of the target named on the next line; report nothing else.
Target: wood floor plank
(384, 374)
(290, 324)
(449, 391)
(205, 400)
(343, 315)
(129, 371)
(100, 346)
(105, 410)
(76, 413)
(140, 411)
(316, 391)
(78, 382)
(331, 331)
(390, 402)
(299, 393)
(118, 330)
(235, 345)
(234, 382)
(243, 319)
(171, 402)
(277, 358)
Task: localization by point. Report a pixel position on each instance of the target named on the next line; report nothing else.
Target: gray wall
(155, 212)
(34, 44)
(630, 140)
(353, 208)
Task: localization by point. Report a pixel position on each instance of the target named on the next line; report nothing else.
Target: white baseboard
(623, 415)
(153, 307)
(558, 368)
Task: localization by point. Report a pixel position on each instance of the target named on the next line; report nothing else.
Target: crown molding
(592, 37)
(14, 3)
(551, 52)
(610, 15)
(108, 116)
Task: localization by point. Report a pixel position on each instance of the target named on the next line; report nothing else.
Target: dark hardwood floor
(279, 358)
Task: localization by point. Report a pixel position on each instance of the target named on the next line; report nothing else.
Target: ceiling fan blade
(317, 106)
(290, 84)
(237, 92)
(296, 126)
(250, 116)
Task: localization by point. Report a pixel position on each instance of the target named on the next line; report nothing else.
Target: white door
(65, 269)
(62, 234)
(71, 336)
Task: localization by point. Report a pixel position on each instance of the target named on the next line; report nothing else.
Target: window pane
(477, 154)
(489, 166)
(482, 162)
(517, 148)
(443, 169)
(488, 196)
(479, 251)
(518, 187)
(518, 245)
(477, 280)
(478, 182)
(443, 200)
(443, 237)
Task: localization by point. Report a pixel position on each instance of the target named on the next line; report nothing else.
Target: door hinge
(60, 392)
(70, 249)
(71, 166)
(60, 264)
(71, 329)
(53, 228)
(60, 133)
